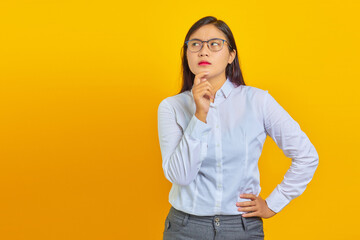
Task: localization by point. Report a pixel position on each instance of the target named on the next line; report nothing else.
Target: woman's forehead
(207, 32)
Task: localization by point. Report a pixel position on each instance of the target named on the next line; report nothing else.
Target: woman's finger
(204, 84)
(252, 214)
(248, 196)
(208, 94)
(198, 78)
(205, 90)
(245, 204)
(248, 209)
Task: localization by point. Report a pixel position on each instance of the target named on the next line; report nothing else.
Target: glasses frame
(207, 42)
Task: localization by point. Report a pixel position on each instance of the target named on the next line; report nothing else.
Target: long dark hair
(232, 71)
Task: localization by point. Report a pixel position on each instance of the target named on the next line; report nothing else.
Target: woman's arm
(182, 152)
(286, 133)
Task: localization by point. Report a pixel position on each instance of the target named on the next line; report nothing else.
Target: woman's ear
(232, 56)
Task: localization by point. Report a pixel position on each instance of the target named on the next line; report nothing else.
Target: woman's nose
(204, 50)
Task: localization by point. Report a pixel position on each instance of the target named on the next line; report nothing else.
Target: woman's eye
(195, 44)
(214, 43)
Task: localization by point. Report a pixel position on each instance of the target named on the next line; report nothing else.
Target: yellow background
(80, 84)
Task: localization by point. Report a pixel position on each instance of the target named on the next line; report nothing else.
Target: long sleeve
(286, 133)
(182, 151)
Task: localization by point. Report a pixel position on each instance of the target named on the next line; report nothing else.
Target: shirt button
(218, 145)
(217, 219)
(217, 126)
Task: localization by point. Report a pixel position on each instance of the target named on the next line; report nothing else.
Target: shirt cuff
(276, 200)
(197, 129)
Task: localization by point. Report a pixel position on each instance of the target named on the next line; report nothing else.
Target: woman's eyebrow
(195, 39)
(200, 39)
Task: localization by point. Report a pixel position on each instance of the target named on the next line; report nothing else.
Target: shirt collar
(225, 89)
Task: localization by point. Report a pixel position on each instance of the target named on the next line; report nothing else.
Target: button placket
(218, 154)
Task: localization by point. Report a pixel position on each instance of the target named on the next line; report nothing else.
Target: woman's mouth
(204, 63)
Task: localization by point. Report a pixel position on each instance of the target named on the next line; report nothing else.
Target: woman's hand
(257, 207)
(203, 93)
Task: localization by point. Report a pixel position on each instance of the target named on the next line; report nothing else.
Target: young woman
(211, 136)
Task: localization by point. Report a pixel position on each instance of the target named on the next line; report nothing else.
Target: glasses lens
(216, 45)
(194, 45)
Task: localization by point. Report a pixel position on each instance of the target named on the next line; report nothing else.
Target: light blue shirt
(211, 164)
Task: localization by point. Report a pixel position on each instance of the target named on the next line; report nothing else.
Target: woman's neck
(217, 82)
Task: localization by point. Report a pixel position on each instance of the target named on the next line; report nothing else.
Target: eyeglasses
(214, 44)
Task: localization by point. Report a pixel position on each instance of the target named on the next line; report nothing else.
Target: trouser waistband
(216, 219)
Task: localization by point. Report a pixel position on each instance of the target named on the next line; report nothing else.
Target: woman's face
(218, 60)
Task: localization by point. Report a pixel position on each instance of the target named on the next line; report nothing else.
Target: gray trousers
(183, 226)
